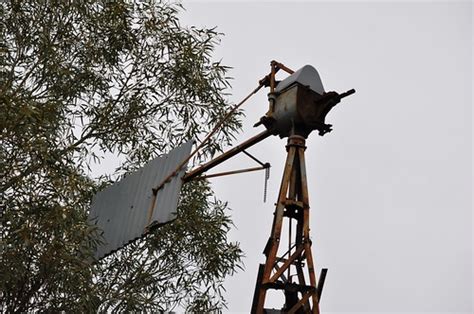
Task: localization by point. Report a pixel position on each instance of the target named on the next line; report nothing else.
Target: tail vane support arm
(223, 157)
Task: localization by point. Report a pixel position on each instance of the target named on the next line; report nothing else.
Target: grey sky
(390, 187)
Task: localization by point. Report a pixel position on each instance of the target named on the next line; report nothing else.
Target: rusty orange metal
(292, 204)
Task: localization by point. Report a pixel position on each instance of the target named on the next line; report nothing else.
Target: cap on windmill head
(307, 76)
(299, 105)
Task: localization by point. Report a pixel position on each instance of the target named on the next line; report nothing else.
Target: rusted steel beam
(322, 278)
(301, 302)
(283, 278)
(207, 138)
(282, 259)
(307, 244)
(258, 289)
(253, 158)
(265, 81)
(287, 263)
(221, 158)
(273, 244)
(312, 277)
(283, 67)
(276, 230)
(293, 195)
(272, 78)
(302, 282)
(220, 174)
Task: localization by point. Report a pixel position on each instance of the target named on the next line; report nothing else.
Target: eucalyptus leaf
(82, 82)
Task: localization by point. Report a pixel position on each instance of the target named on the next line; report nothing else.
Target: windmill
(148, 198)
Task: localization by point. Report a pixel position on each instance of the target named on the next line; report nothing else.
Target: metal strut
(293, 203)
(265, 166)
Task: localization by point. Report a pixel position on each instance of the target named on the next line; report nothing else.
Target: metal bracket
(221, 158)
(220, 174)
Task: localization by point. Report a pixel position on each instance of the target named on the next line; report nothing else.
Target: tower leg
(293, 204)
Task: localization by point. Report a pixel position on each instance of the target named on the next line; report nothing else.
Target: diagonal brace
(287, 263)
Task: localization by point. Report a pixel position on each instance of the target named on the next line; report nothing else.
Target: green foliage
(192, 247)
(81, 80)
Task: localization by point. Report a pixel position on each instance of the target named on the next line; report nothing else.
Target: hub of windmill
(299, 105)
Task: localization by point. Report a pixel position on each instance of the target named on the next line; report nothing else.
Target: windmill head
(299, 105)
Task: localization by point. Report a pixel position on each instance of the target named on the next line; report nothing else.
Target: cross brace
(292, 204)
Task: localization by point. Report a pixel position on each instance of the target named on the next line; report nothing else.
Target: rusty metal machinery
(298, 105)
(293, 204)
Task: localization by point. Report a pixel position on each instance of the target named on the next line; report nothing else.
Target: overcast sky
(390, 188)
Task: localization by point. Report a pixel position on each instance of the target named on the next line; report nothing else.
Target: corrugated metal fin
(121, 210)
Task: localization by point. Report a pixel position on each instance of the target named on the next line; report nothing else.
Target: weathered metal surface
(293, 203)
(227, 173)
(298, 110)
(122, 210)
(221, 158)
(307, 76)
(269, 80)
(322, 278)
(299, 104)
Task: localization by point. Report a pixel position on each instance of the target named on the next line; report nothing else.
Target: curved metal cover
(307, 76)
(122, 209)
